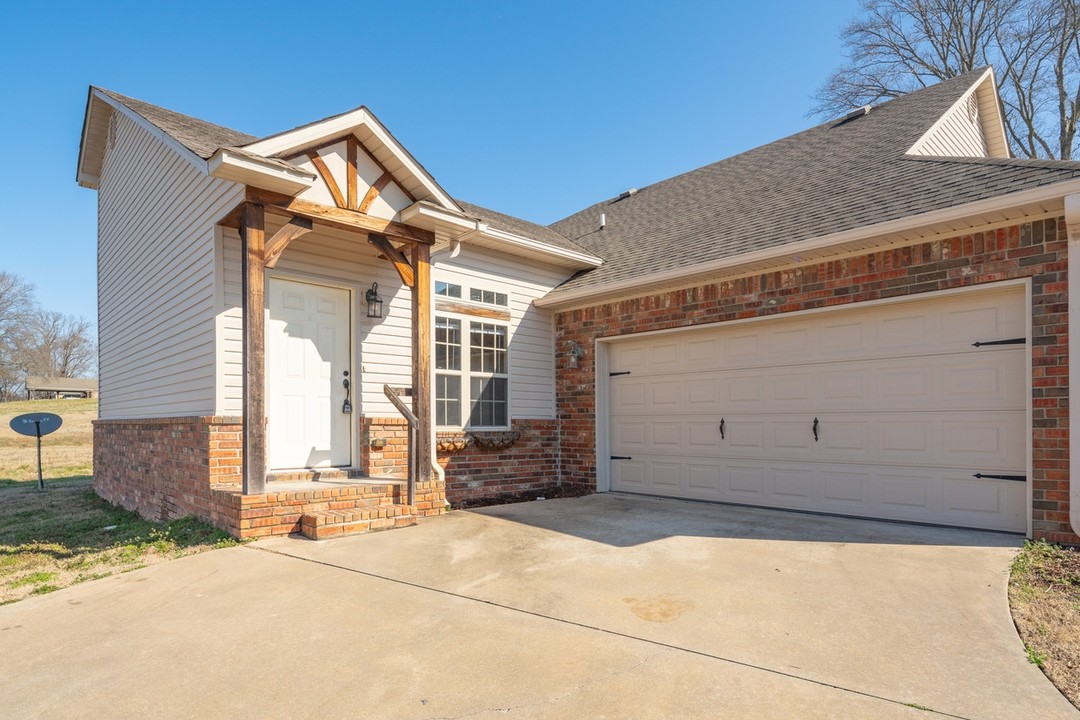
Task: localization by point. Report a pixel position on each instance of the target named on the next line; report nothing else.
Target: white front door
(307, 360)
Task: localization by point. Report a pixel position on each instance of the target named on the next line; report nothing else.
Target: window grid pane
(447, 344)
(487, 348)
(447, 400)
(489, 402)
(447, 289)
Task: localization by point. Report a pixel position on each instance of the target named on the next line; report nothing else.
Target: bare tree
(59, 345)
(34, 341)
(896, 46)
(17, 307)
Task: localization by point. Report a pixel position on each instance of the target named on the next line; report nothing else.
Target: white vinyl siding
(156, 328)
(532, 354)
(956, 134)
(336, 258)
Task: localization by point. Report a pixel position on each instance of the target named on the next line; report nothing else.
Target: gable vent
(972, 108)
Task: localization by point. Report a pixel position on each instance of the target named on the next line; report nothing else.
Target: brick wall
(531, 463)
(1035, 250)
(163, 468)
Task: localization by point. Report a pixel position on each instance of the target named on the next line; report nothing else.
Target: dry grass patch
(67, 452)
(1044, 594)
(66, 534)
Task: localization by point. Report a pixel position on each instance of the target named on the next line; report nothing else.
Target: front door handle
(815, 428)
(346, 406)
(721, 428)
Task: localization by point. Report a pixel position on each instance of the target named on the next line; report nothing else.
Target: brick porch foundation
(168, 468)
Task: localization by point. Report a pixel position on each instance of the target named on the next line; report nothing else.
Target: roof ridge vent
(859, 112)
(628, 193)
(856, 113)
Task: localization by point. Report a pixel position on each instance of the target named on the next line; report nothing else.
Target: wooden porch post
(253, 251)
(421, 354)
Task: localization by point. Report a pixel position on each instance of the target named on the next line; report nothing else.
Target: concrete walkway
(600, 607)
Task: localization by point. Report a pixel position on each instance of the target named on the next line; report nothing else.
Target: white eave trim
(582, 296)
(242, 167)
(342, 124)
(1072, 224)
(472, 227)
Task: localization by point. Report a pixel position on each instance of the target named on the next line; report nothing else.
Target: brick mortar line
(615, 633)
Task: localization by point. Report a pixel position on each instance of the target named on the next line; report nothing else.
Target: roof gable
(193, 139)
(347, 175)
(972, 127)
(383, 147)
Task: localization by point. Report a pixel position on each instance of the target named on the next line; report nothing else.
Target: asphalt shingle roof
(198, 136)
(517, 226)
(828, 179)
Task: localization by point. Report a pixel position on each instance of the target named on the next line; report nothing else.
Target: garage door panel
(970, 441)
(907, 329)
(668, 436)
(629, 435)
(705, 479)
(793, 485)
(907, 409)
(976, 379)
(629, 476)
(893, 493)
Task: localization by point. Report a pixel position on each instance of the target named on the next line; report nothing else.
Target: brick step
(323, 524)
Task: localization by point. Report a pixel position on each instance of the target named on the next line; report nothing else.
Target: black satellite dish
(36, 425)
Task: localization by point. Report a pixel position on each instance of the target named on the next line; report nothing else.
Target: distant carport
(40, 387)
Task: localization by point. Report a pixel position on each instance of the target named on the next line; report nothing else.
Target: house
(868, 318)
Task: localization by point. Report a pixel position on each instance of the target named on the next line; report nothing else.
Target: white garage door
(888, 412)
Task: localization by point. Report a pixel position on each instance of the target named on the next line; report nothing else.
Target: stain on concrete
(661, 608)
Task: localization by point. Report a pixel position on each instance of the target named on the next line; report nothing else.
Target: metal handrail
(395, 395)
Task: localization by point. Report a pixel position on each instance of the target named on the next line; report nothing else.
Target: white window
(447, 289)
(472, 383)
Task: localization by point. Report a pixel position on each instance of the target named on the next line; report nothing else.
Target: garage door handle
(815, 429)
(721, 428)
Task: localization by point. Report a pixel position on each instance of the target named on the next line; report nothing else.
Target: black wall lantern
(374, 302)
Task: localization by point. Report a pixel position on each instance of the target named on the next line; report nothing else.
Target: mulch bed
(549, 493)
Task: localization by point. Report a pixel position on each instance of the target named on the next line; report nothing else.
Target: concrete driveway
(600, 607)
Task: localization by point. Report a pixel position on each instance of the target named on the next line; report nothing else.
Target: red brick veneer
(1035, 250)
(531, 463)
(163, 467)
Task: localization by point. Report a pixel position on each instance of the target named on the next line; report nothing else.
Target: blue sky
(533, 109)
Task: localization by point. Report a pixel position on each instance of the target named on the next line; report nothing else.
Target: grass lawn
(1044, 595)
(66, 534)
(68, 452)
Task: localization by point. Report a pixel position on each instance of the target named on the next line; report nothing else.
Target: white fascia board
(530, 244)
(403, 156)
(998, 119)
(311, 134)
(470, 226)
(84, 178)
(283, 142)
(227, 164)
(959, 212)
(914, 149)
